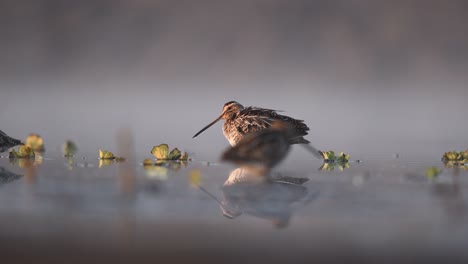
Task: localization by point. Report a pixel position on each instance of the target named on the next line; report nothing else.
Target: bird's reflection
(7, 176)
(270, 198)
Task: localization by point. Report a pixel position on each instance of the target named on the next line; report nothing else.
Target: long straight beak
(210, 124)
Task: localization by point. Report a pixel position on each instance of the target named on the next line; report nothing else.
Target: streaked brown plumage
(240, 121)
(7, 142)
(263, 149)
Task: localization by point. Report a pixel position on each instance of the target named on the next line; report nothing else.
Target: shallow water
(374, 210)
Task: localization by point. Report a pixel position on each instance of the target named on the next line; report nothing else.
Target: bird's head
(230, 110)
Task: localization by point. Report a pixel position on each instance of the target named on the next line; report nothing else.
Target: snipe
(240, 121)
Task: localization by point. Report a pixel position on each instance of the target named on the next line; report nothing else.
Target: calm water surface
(376, 209)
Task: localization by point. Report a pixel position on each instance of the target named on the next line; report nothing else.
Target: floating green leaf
(330, 161)
(455, 159)
(184, 157)
(343, 158)
(35, 142)
(104, 154)
(454, 156)
(69, 149)
(175, 154)
(161, 151)
(329, 156)
(465, 154)
(23, 152)
(330, 166)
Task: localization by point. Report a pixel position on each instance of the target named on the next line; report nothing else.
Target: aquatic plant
(35, 142)
(107, 155)
(161, 152)
(459, 157)
(69, 149)
(330, 161)
(23, 152)
(330, 166)
(329, 157)
(104, 154)
(455, 159)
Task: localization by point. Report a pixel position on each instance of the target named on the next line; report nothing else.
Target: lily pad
(175, 154)
(330, 166)
(460, 156)
(161, 151)
(35, 142)
(23, 152)
(184, 157)
(455, 159)
(69, 149)
(343, 158)
(329, 156)
(104, 154)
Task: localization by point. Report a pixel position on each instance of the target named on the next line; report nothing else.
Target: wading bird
(7, 142)
(240, 121)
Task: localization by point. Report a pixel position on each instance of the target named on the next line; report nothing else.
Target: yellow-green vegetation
(456, 159)
(330, 166)
(329, 157)
(107, 155)
(22, 153)
(330, 161)
(104, 154)
(184, 156)
(432, 172)
(69, 149)
(460, 157)
(161, 152)
(35, 142)
(175, 154)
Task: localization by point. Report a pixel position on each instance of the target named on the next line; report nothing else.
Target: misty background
(366, 76)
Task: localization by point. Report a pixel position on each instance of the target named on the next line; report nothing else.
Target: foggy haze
(375, 76)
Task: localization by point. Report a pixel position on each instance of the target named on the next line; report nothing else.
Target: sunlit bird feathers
(240, 121)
